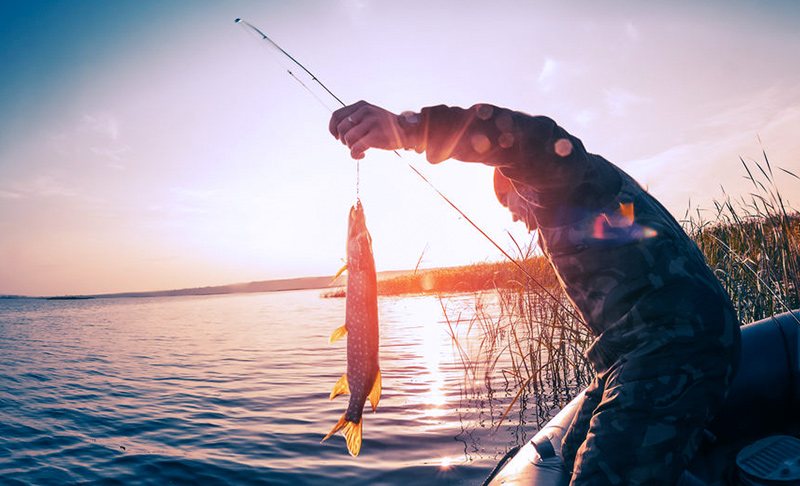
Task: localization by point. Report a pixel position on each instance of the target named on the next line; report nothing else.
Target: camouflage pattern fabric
(667, 335)
(667, 347)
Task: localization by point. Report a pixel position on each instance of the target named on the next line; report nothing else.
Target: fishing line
(358, 166)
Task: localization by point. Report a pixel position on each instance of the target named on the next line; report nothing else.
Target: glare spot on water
(434, 344)
(447, 462)
(428, 340)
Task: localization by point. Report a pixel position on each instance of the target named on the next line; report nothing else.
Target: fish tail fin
(341, 387)
(375, 394)
(338, 334)
(352, 434)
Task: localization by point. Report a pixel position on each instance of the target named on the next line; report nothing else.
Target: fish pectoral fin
(375, 394)
(341, 271)
(338, 334)
(341, 387)
(336, 428)
(352, 433)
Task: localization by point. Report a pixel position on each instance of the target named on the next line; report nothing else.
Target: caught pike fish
(363, 377)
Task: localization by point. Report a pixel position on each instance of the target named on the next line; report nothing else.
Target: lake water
(233, 390)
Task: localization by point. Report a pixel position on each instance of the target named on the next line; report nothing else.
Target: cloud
(101, 135)
(9, 195)
(95, 139)
(773, 106)
(619, 101)
(547, 73)
(632, 32)
(114, 154)
(187, 201)
(184, 193)
(585, 117)
(356, 10)
(56, 184)
(103, 124)
(698, 170)
(51, 186)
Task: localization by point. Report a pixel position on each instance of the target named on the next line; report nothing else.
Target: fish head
(359, 241)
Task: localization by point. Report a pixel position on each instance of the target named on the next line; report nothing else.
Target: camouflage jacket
(631, 271)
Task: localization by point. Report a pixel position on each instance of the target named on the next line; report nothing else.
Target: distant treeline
(468, 278)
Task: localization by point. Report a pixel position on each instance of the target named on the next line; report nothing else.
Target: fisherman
(667, 336)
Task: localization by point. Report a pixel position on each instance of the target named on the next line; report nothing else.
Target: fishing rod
(274, 44)
(265, 37)
(279, 48)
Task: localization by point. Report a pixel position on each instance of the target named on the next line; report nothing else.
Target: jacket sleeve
(550, 168)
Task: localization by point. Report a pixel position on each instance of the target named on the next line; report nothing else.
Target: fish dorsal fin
(352, 433)
(341, 387)
(338, 334)
(375, 393)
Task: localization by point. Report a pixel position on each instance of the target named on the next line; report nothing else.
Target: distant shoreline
(277, 285)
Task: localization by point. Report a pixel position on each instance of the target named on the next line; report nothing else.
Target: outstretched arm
(548, 166)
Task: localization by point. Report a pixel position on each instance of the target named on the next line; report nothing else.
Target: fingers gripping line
(363, 126)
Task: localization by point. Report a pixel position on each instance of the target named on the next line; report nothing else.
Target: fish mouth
(357, 221)
(356, 211)
(359, 240)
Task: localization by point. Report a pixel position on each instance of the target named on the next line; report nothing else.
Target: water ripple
(224, 390)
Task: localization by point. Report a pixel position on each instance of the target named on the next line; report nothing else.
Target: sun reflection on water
(426, 347)
(423, 343)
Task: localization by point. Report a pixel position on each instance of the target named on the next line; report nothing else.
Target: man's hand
(361, 126)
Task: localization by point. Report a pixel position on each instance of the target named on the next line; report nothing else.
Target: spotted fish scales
(363, 377)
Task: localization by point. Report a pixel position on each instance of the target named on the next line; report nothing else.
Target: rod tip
(237, 20)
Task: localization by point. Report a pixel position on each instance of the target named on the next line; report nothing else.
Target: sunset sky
(154, 145)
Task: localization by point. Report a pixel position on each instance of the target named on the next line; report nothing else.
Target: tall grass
(753, 245)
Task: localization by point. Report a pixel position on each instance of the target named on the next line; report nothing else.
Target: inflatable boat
(753, 440)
